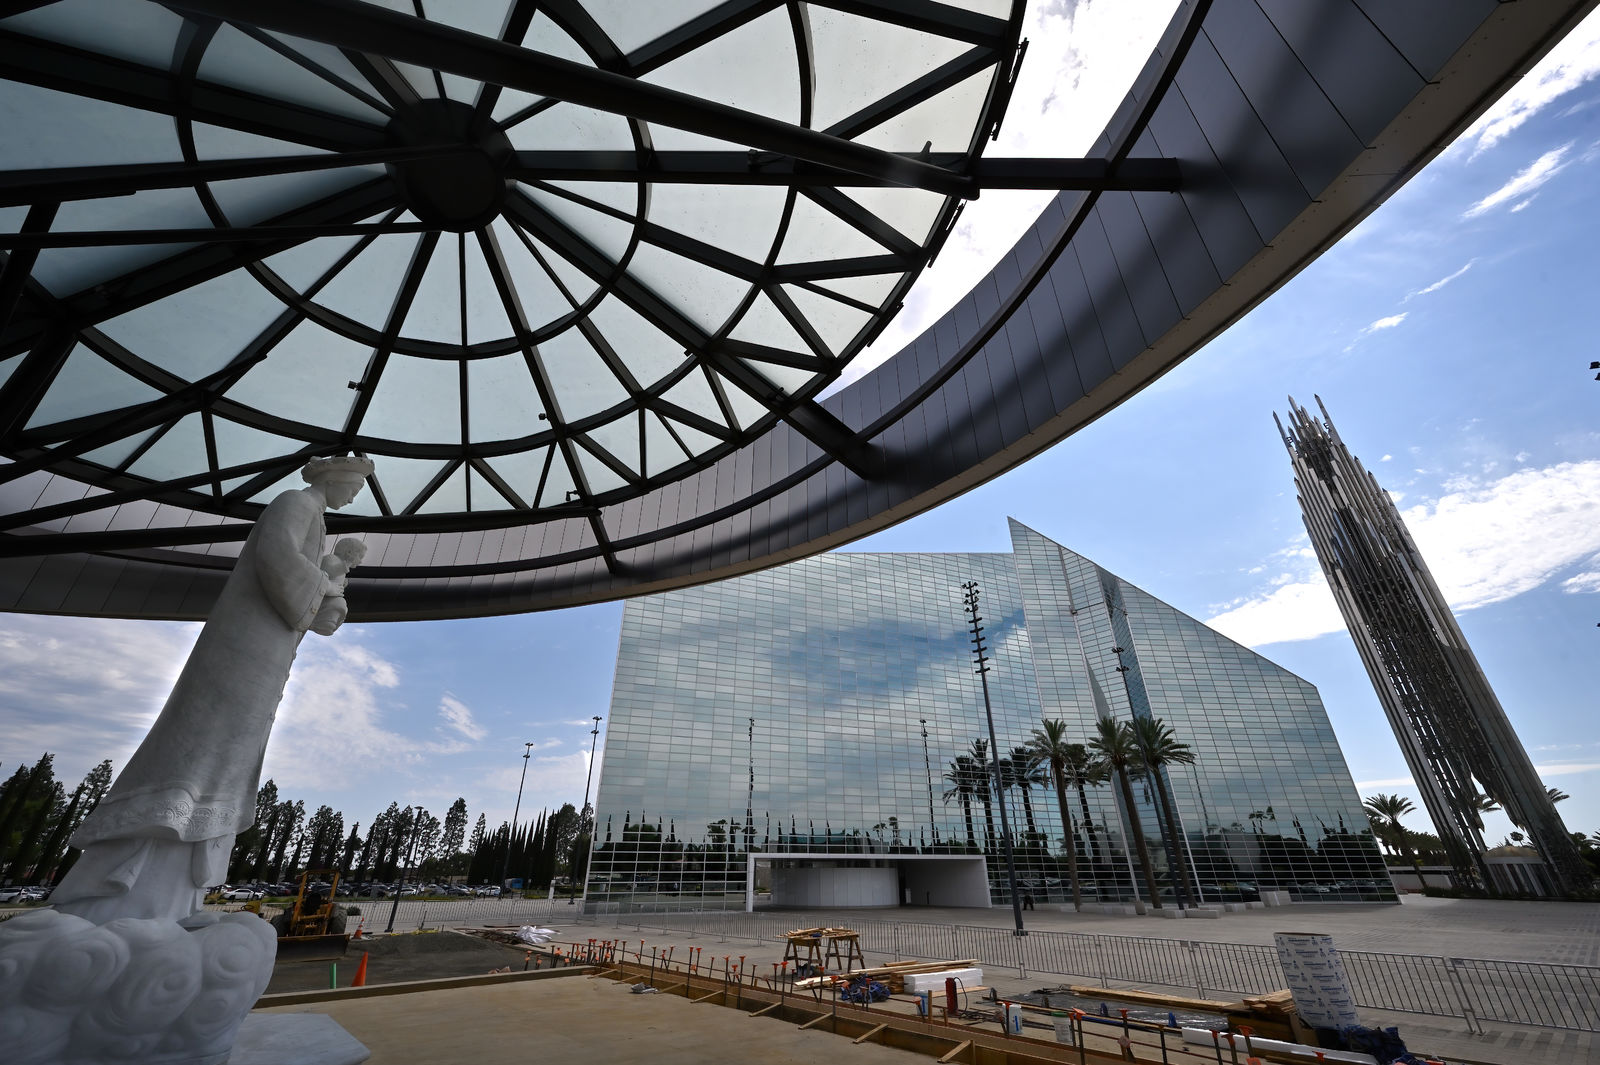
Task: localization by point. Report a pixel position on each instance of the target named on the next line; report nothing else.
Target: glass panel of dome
(304, 264)
(220, 142)
(579, 285)
(630, 24)
(238, 444)
(116, 453)
(484, 494)
(277, 488)
(197, 330)
(764, 324)
(328, 58)
(450, 497)
(868, 288)
(596, 474)
(8, 366)
(753, 68)
(486, 311)
(11, 218)
(619, 195)
(661, 451)
(482, 17)
(249, 201)
(859, 61)
(816, 234)
(582, 382)
(420, 78)
(435, 313)
(647, 352)
(911, 211)
(403, 479)
(746, 408)
(512, 102)
(742, 219)
(701, 294)
(693, 438)
(572, 127)
(140, 33)
(558, 482)
(234, 59)
(502, 403)
(522, 471)
(48, 128)
(693, 394)
(179, 452)
(946, 121)
(416, 400)
(837, 323)
(537, 294)
(312, 355)
(607, 235)
(545, 36)
(788, 378)
(67, 270)
(365, 290)
(364, 505)
(621, 438)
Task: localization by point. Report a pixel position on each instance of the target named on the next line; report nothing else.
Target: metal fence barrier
(1472, 989)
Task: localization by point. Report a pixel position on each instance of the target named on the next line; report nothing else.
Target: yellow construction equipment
(314, 925)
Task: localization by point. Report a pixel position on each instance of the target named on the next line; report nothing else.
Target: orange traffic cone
(359, 925)
(361, 973)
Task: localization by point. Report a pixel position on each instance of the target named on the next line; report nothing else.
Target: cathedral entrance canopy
(576, 276)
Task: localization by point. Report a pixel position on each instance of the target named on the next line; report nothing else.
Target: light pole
(594, 736)
(970, 598)
(505, 867)
(928, 764)
(416, 832)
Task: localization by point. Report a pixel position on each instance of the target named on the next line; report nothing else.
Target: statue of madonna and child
(158, 979)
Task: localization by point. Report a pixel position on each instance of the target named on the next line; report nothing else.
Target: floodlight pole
(416, 832)
(505, 867)
(928, 764)
(970, 598)
(594, 736)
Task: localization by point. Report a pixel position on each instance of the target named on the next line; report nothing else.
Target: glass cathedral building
(805, 736)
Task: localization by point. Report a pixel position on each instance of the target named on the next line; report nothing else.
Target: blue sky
(1449, 335)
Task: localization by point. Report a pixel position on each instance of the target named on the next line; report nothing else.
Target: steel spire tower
(1451, 727)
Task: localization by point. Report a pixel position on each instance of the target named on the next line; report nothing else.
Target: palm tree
(1050, 744)
(1389, 809)
(1159, 747)
(1083, 770)
(1026, 772)
(960, 777)
(1557, 795)
(984, 789)
(1118, 753)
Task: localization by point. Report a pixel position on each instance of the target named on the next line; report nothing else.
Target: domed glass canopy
(278, 246)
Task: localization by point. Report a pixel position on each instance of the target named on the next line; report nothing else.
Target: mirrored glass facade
(829, 709)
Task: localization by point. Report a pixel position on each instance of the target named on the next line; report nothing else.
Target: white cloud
(1570, 65)
(1583, 582)
(1390, 782)
(1442, 282)
(1485, 541)
(1524, 203)
(458, 717)
(1383, 323)
(1387, 458)
(1525, 181)
(1565, 769)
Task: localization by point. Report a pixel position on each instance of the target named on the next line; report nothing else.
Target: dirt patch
(396, 959)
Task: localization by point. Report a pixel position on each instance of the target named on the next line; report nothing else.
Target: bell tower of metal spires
(1451, 727)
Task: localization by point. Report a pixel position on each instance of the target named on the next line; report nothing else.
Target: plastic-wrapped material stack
(967, 978)
(535, 937)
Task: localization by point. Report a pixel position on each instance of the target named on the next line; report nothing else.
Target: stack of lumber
(1275, 1005)
(818, 933)
(894, 974)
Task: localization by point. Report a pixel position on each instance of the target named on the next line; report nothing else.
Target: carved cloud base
(132, 991)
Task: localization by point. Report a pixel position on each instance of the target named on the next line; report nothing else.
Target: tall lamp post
(970, 598)
(505, 867)
(411, 852)
(928, 765)
(594, 736)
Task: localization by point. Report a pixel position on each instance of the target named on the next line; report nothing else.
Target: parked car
(11, 894)
(241, 894)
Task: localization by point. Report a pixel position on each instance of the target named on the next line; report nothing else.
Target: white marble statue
(124, 967)
(164, 832)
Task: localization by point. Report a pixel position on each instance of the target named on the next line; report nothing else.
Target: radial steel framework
(584, 278)
(1451, 727)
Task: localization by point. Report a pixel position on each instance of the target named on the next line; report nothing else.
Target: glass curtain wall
(829, 709)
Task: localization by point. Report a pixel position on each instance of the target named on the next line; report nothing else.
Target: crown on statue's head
(342, 466)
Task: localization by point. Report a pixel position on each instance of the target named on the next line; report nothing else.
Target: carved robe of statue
(166, 828)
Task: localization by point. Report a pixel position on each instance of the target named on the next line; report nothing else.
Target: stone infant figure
(346, 556)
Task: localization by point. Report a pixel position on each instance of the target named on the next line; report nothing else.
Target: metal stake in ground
(970, 598)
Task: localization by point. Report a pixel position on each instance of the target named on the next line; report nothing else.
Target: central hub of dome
(460, 189)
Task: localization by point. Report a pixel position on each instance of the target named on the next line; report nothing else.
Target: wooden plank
(958, 1049)
(813, 1022)
(763, 1009)
(703, 998)
(1204, 1005)
(868, 1035)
